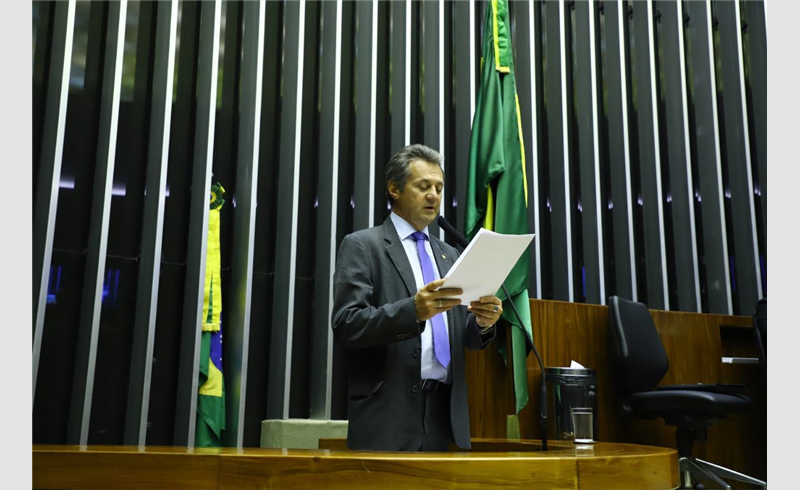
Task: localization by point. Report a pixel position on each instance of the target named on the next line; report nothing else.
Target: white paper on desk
(485, 264)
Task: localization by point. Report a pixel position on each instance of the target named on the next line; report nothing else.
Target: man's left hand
(487, 311)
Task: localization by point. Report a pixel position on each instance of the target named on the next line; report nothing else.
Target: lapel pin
(443, 256)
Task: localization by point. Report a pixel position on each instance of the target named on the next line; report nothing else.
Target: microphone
(462, 240)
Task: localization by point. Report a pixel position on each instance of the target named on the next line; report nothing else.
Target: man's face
(418, 203)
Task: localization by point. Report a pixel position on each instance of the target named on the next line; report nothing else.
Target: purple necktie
(441, 347)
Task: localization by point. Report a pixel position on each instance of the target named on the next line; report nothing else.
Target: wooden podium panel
(695, 344)
(491, 464)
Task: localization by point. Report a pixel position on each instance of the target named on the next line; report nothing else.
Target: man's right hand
(429, 300)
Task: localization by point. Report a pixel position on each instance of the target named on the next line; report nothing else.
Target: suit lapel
(396, 252)
(443, 262)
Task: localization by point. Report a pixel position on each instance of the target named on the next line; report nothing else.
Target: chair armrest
(731, 388)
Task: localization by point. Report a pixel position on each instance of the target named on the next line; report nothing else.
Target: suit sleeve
(473, 339)
(357, 322)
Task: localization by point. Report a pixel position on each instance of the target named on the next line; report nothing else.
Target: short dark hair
(397, 168)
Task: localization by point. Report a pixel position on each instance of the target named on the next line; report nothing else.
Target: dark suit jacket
(375, 317)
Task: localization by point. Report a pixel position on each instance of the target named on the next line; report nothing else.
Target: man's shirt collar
(404, 228)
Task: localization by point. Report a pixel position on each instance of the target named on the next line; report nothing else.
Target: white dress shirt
(430, 367)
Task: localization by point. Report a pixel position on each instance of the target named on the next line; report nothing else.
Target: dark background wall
(645, 137)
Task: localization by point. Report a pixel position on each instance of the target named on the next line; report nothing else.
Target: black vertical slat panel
(647, 160)
(52, 144)
(344, 204)
(618, 165)
(417, 56)
(432, 115)
(303, 314)
(456, 169)
(525, 77)
(573, 160)
(160, 114)
(557, 161)
(679, 201)
(400, 58)
(321, 381)
(107, 79)
(754, 46)
(712, 249)
(265, 227)
(43, 20)
(207, 64)
(539, 173)
(225, 170)
(383, 125)
(740, 209)
(286, 229)
(237, 328)
(172, 273)
(464, 88)
(586, 115)
(365, 59)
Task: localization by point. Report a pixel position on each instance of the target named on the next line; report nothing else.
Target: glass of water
(583, 424)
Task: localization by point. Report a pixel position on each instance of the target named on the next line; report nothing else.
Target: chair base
(692, 469)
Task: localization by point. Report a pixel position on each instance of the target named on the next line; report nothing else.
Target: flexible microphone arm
(461, 239)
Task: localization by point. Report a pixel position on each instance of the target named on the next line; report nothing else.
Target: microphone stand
(451, 230)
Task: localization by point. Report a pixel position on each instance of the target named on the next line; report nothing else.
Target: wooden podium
(491, 464)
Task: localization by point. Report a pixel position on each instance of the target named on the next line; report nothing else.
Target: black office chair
(640, 362)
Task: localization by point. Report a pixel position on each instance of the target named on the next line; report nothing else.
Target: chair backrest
(637, 354)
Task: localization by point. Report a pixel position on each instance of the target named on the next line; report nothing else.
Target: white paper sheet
(485, 264)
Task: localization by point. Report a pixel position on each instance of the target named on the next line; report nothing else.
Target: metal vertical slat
(152, 224)
(366, 73)
(208, 62)
(321, 384)
(737, 144)
(626, 148)
(619, 158)
(440, 94)
(280, 366)
(373, 116)
(55, 114)
(237, 328)
(534, 20)
(680, 197)
(408, 74)
(592, 222)
(596, 149)
(533, 161)
(562, 25)
(91, 299)
(708, 164)
(649, 159)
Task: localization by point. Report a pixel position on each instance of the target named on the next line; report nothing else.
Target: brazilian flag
(497, 189)
(211, 395)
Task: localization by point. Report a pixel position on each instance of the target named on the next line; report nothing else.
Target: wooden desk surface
(493, 464)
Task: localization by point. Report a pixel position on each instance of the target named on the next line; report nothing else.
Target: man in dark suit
(405, 333)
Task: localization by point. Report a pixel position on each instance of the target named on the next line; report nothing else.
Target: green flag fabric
(211, 394)
(497, 192)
